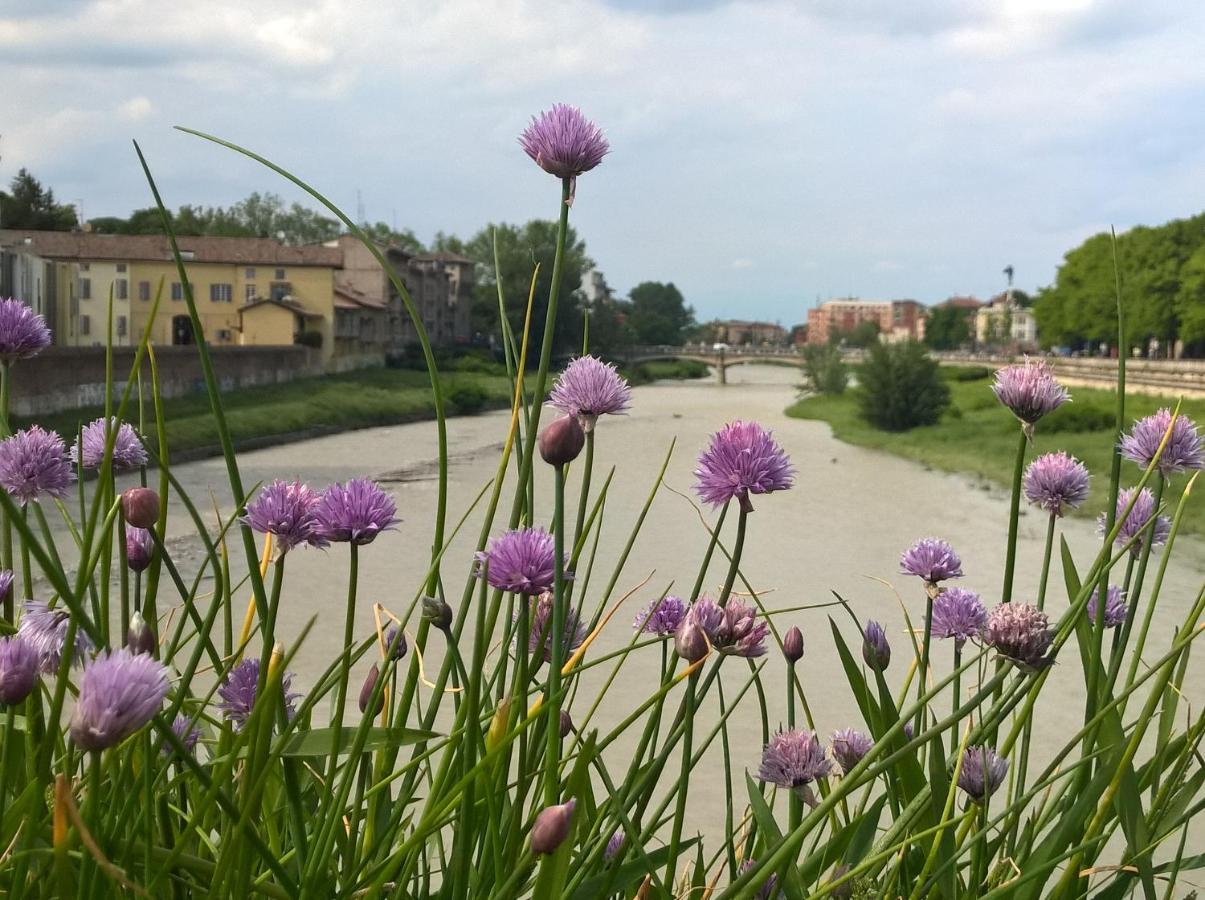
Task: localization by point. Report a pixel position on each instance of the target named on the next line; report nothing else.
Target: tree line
(1162, 272)
(652, 313)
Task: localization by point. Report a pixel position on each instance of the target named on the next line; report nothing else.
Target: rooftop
(79, 245)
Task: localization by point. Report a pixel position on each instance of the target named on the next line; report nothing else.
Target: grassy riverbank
(977, 437)
(279, 413)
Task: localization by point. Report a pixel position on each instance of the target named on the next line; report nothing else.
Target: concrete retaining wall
(71, 377)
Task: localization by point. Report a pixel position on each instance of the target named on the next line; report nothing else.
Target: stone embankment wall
(1153, 376)
(71, 377)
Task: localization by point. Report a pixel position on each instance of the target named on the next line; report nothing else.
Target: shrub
(1073, 417)
(968, 373)
(824, 372)
(468, 399)
(901, 387)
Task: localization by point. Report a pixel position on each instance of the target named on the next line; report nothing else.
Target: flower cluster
(539, 638)
(1020, 633)
(240, 688)
(1056, 483)
(45, 628)
(119, 693)
(288, 510)
(1182, 453)
(932, 560)
(23, 333)
(981, 772)
(1115, 606)
(522, 561)
(1138, 523)
(662, 616)
(589, 388)
(18, 669)
(1029, 390)
(734, 629)
(958, 614)
(34, 464)
(849, 746)
(89, 448)
(563, 142)
(794, 759)
(742, 459)
(355, 512)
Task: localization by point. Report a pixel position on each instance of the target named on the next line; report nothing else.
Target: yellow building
(244, 288)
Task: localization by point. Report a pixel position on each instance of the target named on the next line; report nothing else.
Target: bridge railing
(707, 350)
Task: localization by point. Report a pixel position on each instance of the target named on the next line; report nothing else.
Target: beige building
(247, 291)
(897, 320)
(1005, 323)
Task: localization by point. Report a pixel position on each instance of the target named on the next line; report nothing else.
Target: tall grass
(455, 774)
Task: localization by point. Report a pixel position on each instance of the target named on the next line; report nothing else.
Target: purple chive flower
(140, 548)
(733, 629)
(187, 731)
(46, 631)
(563, 142)
(1056, 482)
(288, 510)
(614, 846)
(355, 512)
(958, 614)
(1183, 450)
(589, 388)
(661, 617)
(18, 669)
(1029, 390)
(6, 582)
(982, 771)
(34, 463)
(1021, 634)
(119, 693)
(539, 637)
(707, 614)
(1115, 606)
(238, 693)
(909, 731)
(1137, 521)
(522, 561)
(793, 759)
(768, 889)
(742, 459)
(849, 746)
(932, 560)
(23, 333)
(89, 448)
(876, 651)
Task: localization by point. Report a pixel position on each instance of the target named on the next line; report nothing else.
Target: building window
(177, 291)
(85, 288)
(250, 293)
(223, 334)
(121, 289)
(144, 290)
(121, 267)
(85, 325)
(280, 290)
(121, 326)
(280, 274)
(83, 267)
(221, 293)
(249, 273)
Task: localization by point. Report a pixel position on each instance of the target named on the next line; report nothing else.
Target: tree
(520, 248)
(384, 234)
(947, 328)
(659, 314)
(29, 205)
(864, 334)
(901, 387)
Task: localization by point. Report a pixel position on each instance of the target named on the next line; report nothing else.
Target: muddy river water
(841, 529)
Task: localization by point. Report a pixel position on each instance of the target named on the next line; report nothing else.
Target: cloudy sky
(765, 154)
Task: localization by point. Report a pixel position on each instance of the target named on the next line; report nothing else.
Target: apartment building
(897, 320)
(743, 333)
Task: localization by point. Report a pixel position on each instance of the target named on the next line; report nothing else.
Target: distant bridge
(720, 358)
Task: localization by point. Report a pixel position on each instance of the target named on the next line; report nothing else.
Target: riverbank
(270, 415)
(976, 437)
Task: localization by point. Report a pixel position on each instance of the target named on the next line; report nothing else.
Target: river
(841, 528)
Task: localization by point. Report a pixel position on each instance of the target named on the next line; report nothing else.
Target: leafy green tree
(824, 372)
(864, 334)
(382, 233)
(29, 205)
(947, 328)
(659, 314)
(520, 247)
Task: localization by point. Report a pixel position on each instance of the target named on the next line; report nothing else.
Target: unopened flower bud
(566, 723)
(395, 642)
(552, 827)
(139, 637)
(792, 645)
(561, 441)
(498, 725)
(690, 641)
(875, 649)
(140, 547)
(18, 669)
(845, 889)
(437, 612)
(140, 506)
(370, 684)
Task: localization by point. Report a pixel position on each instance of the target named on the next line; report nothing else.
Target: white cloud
(136, 109)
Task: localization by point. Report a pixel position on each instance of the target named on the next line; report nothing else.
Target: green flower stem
(123, 572)
(923, 672)
(675, 839)
(556, 644)
(6, 529)
(1014, 514)
(1133, 592)
(737, 547)
(956, 693)
(584, 497)
(711, 544)
(349, 637)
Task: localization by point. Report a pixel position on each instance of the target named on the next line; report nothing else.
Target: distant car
(719, 347)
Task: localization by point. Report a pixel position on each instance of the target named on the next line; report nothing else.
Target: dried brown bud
(140, 506)
(561, 441)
